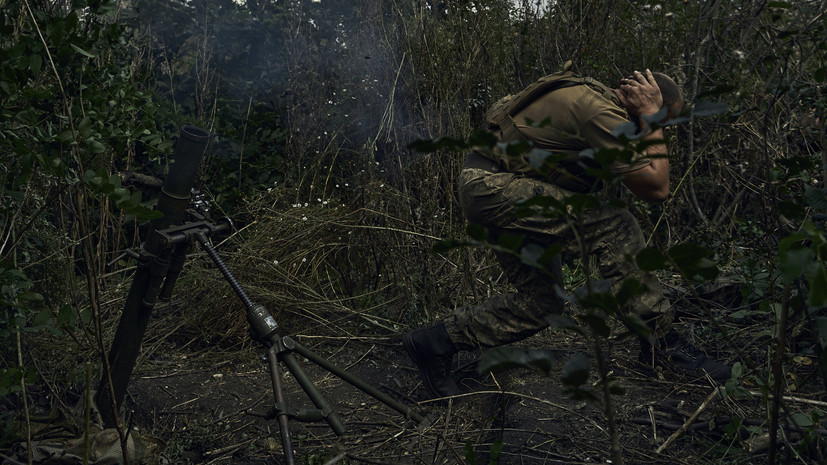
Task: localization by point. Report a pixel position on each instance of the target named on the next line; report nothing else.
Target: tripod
(283, 349)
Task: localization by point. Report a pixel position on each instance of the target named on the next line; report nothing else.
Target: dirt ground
(197, 404)
(193, 398)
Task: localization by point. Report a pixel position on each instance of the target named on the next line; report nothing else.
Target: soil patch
(200, 407)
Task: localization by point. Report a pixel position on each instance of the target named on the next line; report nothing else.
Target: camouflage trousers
(610, 234)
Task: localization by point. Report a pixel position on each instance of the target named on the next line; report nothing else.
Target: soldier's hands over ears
(640, 94)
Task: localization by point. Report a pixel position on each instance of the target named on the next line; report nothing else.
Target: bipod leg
(325, 411)
(356, 382)
(281, 349)
(281, 407)
(265, 329)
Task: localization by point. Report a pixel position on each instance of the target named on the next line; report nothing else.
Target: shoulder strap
(512, 104)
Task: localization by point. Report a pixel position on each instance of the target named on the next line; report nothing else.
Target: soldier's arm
(651, 183)
(641, 96)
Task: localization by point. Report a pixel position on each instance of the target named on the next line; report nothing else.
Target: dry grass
(319, 265)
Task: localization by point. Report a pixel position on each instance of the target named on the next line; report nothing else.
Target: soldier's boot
(673, 352)
(431, 350)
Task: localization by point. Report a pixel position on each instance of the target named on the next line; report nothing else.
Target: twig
(360, 358)
(524, 396)
(224, 450)
(691, 420)
(24, 395)
(87, 424)
(386, 228)
(777, 372)
(617, 455)
(336, 459)
(798, 400)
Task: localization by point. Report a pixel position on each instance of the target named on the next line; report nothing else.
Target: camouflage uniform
(488, 188)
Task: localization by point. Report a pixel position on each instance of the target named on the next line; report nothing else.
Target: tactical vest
(568, 174)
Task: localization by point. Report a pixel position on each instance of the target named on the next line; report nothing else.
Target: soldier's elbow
(648, 191)
(658, 196)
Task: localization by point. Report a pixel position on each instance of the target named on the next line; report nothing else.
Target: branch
(716, 393)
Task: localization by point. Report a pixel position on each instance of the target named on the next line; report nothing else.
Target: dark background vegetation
(312, 107)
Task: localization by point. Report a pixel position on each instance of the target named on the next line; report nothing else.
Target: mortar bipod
(264, 329)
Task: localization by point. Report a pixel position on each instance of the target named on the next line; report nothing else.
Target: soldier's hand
(640, 94)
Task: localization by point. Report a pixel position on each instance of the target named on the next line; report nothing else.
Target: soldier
(582, 115)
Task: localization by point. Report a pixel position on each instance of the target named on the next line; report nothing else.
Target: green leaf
(737, 370)
(733, 427)
(794, 262)
(30, 297)
(531, 255)
(790, 209)
(483, 138)
(732, 384)
(582, 202)
(477, 232)
(86, 315)
(691, 261)
(817, 279)
(575, 371)
(66, 136)
(115, 180)
(791, 241)
(42, 318)
(816, 197)
(510, 241)
(629, 289)
(504, 358)
(95, 146)
(66, 316)
(515, 149)
(820, 75)
(470, 456)
(35, 63)
(651, 259)
(120, 193)
(496, 450)
(81, 51)
(801, 420)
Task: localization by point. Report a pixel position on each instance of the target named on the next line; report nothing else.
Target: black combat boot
(673, 352)
(431, 350)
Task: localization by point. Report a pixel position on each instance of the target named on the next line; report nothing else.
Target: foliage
(321, 100)
(72, 114)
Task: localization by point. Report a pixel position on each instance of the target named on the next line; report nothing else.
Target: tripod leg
(313, 393)
(356, 382)
(275, 377)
